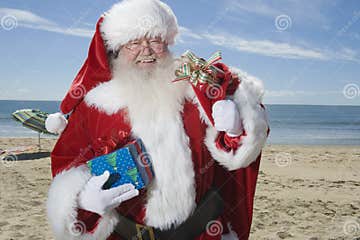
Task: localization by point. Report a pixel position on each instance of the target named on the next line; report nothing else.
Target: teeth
(148, 61)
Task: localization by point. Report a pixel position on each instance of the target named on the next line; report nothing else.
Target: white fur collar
(105, 98)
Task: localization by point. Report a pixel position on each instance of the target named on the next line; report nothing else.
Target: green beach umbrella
(33, 119)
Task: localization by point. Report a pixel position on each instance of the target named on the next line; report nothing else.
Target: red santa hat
(125, 21)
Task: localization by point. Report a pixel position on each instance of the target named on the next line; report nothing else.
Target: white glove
(93, 198)
(227, 118)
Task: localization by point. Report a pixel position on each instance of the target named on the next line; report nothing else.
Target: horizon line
(291, 104)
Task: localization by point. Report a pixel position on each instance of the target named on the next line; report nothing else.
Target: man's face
(144, 53)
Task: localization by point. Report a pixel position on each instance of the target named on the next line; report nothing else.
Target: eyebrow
(149, 39)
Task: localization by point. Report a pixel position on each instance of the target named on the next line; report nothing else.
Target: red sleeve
(72, 148)
(89, 219)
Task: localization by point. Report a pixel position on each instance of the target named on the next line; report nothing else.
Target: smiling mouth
(147, 61)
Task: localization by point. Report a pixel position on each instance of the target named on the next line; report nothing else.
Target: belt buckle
(140, 229)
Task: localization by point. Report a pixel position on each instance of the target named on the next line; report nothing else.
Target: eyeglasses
(155, 44)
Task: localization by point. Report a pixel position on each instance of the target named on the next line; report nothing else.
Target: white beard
(154, 106)
(149, 91)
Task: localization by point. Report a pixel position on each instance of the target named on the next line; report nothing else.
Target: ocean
(290, 124)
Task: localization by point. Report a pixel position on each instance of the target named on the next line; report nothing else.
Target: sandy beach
(304, 192)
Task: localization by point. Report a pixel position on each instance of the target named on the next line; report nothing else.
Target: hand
(227, 117)
(93, 198)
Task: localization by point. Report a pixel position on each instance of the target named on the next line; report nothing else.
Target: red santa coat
(187, 155)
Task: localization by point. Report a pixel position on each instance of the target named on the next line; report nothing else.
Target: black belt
(209, 209)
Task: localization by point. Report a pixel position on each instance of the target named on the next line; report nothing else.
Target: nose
(146, 48)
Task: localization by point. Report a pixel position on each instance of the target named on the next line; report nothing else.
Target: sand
(308, 193)
(303, 192)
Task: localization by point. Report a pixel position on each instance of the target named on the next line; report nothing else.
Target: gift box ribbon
(197, 70)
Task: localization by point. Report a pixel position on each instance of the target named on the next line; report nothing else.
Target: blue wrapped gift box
(130, 162)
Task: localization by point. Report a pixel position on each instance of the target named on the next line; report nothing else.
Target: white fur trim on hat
(132, 19)
(55, 123)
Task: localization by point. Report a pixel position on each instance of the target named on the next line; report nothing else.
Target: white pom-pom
(56, 123)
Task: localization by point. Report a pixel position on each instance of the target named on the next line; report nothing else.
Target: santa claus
(124, 91)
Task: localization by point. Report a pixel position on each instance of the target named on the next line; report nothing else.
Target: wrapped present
(208, 80)
(130, 163)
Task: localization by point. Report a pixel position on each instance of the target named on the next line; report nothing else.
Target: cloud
(185, 33)
(264, 47)
(297, 10)
(80, 32)
(255, 7)
(271, 48)
(30, 20)
(346, 54)
(260, 47)
(188, 33)
(24, 16)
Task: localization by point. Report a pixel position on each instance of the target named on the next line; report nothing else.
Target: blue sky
(305, 52)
